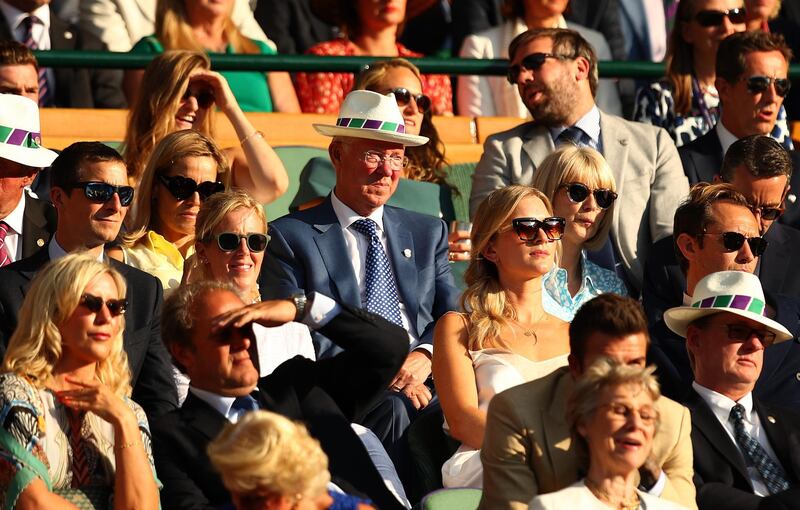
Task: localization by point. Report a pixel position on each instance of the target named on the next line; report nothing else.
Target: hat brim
(679, 318)
(38, 158)
(371, 134)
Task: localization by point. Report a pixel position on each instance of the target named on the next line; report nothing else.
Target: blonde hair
(174, 32)
(484, 298)
(173, 148)
(212, 212)
(35, 347)
(152, 116)
(585, 165)
(265, 451)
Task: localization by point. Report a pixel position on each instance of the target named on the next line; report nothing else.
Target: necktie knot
(366, 227)
(4, 228)
(5, 256)
(737, 414)
(573, 135)
(244, 403)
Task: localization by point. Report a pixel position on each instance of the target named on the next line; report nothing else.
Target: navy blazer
(307, 253)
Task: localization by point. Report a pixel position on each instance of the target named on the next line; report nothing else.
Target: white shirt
(721, 406)
(357, 246)
(726, 138)
(14, 221)
(55, 251)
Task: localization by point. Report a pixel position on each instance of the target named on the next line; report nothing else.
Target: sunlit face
(20, 80)
(761, 9)
(198, 10)
(545, 8)
(705, 40)
(88, 337)
(13, 179)
(753, 113)
(627, 350)
(402, 77)
(241, 266)
(191, 114)
(360, 187)
(376, 14)
(583, 218)
(761, 192)
(516, 259)
(176, 218)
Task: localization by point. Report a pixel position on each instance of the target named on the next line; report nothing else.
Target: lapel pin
(771, 419)
(791, 198)
(407, 253)
(67, 35)
(40, 242)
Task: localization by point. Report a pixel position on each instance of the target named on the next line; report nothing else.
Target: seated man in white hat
(359, 251)
(746, 452)
(26, 223)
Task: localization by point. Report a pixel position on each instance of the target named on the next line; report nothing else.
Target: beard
(557, 101)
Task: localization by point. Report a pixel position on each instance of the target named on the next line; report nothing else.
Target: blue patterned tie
(245, 403)
(771, 472)
(381, 292)
(573, 135)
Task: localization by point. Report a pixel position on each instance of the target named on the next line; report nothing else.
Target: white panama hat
(20, 134)
(734, 292)
(367, 114)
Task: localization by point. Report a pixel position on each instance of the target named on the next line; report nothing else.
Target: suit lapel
(202, 417)
(779, 438)
(333, 251)
(34, 227)
(776, 260)
(708, 158)
(538, 145)
(615, 142)
(5, 31)
(401, 243)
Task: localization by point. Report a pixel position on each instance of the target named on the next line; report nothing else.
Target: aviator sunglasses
(230, 241)
(94, 304)
(403, 96)
(714, 18)
(733, 241)
(183, 187)
(577, 193)
(758, 84)
(532, 62)
(527, 229)
(204, 97)
(102, 192)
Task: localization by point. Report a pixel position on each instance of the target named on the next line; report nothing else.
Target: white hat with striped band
(20, 134)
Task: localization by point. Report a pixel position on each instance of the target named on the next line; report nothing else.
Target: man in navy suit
(364, 253)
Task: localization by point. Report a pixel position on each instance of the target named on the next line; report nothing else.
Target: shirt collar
(721, 405)
(55, 251)
(220, 403)
(687, 299)
(726, 138)
(15, 218)
(589, 123)
(14, 16)
(347, 216)
(557, 277)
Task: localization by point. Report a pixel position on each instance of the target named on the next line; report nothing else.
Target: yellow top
(155, 255)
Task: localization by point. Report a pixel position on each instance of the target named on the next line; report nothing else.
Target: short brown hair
(13, 53)
(694, 215)
(611, 314)
(734, 48)
(566, 43)
(761, 155)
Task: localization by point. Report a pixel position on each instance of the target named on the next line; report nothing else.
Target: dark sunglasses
(102, 192)
(743, 334)
(733, 241)
(94, 304)
(713, 18)
(404, 96)
(230, 241)
(768, 213)
(204, 97)
(759, 84)
(183, 187)
(527, 229)
(577, 193)
(532, 62)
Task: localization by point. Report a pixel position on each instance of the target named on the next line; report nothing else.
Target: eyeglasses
(743, 333)
(532, 62)
(102, 192)
(230, 241)
(375, 159)
(403, 96)
(204, 97)
(620, 412)
(714, 18)
(527, 229)
(767, 213)
(578, 192)
(183, 187)
(94, 304)
(759, 84)
(733, 241)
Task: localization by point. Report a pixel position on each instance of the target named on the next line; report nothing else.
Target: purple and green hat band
(20, 137)
(735, 301)
(377, 125)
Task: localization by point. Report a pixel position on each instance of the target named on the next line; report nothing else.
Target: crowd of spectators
(624, 334)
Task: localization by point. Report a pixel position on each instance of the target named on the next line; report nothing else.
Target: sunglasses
(532, 62)
(404, 96)
(743, 333)
(230, 241)
(527, 229)
(733, 241)
(101, 192)
(713, 18)
(94, 304)
(182, 187)
(204, 97)
(759, 84)
(577, 193)
(768, 213)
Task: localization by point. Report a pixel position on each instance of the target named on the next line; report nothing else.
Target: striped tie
(5, 256)
(44, 90)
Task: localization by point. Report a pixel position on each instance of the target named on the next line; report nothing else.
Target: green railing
(293, 63)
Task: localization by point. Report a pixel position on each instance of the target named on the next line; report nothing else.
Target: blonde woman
(581, 187)
(185, 169)
(207, 27)
(504, 337)
(71, 436)
(180, 92)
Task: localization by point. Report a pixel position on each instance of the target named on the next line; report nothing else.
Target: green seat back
(294, 158)
(459, 177)
(452, 499)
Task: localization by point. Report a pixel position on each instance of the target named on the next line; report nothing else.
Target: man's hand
(459, 245)
(412, 376)
(418, 394)
(274, 312)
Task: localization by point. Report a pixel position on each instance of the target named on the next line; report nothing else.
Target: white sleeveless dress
(496, 370)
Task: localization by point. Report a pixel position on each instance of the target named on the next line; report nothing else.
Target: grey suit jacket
(648, 173)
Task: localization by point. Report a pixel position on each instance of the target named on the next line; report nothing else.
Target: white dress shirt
(721, 406)
(14, 221)
(55, 251)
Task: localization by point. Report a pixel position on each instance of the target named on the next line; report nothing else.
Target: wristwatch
(300, 302)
